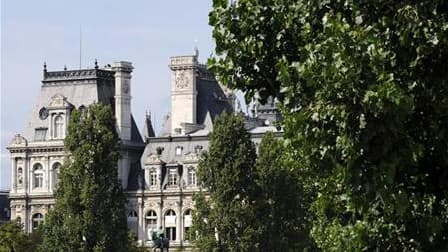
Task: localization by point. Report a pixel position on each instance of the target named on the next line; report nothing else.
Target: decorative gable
(152, 159)
(59, 101)
(191, 157)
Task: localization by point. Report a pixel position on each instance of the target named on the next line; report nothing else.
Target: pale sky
(145, 32)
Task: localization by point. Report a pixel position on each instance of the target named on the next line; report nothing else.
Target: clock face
(181, 80)
(43, 113)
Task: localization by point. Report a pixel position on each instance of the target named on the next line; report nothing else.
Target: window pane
(40, 134)
(58, 127)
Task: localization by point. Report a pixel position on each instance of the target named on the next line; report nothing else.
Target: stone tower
(184, 71)
(122, 97)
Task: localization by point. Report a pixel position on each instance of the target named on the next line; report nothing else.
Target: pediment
(153, 158)
(191, 157)
(58, 101)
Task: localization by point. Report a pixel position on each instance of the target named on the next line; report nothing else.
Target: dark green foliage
(14, 239)
(89, 214)
(227, 170)
(363, 89)
(281, 205)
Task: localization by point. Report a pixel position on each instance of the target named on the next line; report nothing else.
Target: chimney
(123, 70)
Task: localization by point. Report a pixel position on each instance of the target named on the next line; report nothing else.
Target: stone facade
(158, 173)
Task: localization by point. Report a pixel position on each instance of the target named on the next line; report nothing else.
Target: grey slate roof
(136, 177)
(148, 130)
(80, 88)
(211, 99)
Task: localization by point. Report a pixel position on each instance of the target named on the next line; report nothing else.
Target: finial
(45, 66)
(96, 64)
(196, 51)
(65, 67)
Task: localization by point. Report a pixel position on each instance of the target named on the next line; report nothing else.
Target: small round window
(43, 113)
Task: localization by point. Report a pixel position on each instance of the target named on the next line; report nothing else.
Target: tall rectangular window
(191, 177)
(153, 178)
(172, 176)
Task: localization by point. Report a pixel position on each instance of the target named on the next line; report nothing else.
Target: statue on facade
(159, 240)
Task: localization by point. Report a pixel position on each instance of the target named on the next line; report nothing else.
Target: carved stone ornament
(187, 204)
(126, 87)
(191, 156)
(181, 80)
(18, 140)
(43, 113)
(152, 158)
(59, 100)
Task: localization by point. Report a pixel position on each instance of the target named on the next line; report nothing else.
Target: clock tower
(184, 71)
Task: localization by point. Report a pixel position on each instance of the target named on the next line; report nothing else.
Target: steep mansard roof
(77, 88)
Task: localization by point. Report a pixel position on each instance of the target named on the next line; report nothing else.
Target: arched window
(192, 177)
(56, 169)
(170, 225)
(133, 221)
(153, 177)
(187, 225)
(58, 129)
(38, 176)
(37, 220)
(151, 223)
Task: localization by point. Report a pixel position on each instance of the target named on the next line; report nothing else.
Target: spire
(148, 130)
(196, 51)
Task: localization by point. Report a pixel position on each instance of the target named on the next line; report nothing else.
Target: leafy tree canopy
(363, 90)
(14, 239)
(89, 214)
(227, 219)
(282, 204)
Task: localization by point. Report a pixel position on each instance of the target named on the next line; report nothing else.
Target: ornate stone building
(38, 153)
(157, 172)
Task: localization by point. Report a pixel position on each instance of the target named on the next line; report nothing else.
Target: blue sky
(146, 33)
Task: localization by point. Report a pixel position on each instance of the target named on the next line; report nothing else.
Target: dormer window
(59, 110)
(192, 181)
(172, 176)
(153, 177)
(58, 130)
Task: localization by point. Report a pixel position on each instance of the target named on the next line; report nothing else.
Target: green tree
(14, 239)
(362, 87)
(89, 214)
(227, 170)
(281, 205)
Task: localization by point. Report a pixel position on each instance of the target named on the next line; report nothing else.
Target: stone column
(160, 217)
(179, 222)
(141, 221)
(49, 176)
(26, 173)
(14, 175)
